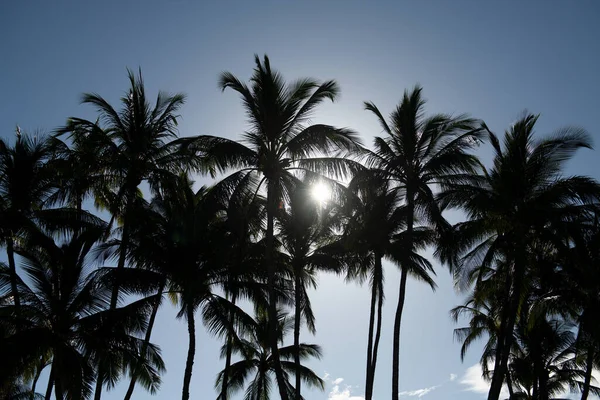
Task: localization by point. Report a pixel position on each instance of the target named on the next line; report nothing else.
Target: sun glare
(321, 192)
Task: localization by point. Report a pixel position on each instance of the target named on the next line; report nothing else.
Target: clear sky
(492, 59)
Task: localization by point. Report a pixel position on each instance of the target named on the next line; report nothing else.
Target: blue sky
(490, 59)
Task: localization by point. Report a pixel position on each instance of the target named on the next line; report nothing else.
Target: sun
(320, 192)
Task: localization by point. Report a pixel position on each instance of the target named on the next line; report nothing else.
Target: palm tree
(184, 248)
(134, 145)
(241, 228)
(257, 359)
(277, 144)
(307, 231)
(374, 221)
(62, 315)
(416, 154)
(25, 184)
(519, 204)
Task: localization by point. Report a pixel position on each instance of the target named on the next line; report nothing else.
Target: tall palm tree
(241, 228)
(521, 203)
(417, 154)
(25, 184)
(183, 247)
(63, 315)
(374, 220)
(307, 231)
(277, 144)
(134, 145)
(257, 359)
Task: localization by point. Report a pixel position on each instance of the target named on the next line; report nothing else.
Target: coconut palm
(307, 230)
(63, 316)
(375, 218)
(257, 359)
(277, 143)
(182, 246)
(416, 154)
(520, 204)
(134, 145)
(25, 184)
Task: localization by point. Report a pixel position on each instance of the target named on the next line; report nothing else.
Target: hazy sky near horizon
(490, 59)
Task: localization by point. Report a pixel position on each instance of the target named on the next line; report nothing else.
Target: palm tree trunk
(401, 295)
(505, 343)
(146, 343)
(58, 390)
(298, 309)
(189, 364)
(120, 265)
(509, 385)
(38, 372)
(379, 323)
(589, 366)
(369, 381)
(271, 207)
(376, 304)
(10, 253)
(50, 382)
(229, 351)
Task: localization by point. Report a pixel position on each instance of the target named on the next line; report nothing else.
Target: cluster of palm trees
(244, 252)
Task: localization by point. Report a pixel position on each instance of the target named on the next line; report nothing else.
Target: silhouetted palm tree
(307, 230)
(521, 203)
(257, 359)
(277, 143)
(375, 218)
(417, 154)
(25, 184)
(63, 315)
(133, 145)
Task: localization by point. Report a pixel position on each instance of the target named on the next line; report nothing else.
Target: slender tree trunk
(509, 385)
(38, 372)
(501, 367)
(120, 265)
(50, 382)
(587, 380)
(10, 253)
(229, 351)
(146, 343)
(401, 296)
(189, 364)
(58, 390)
(379, 323)
(298, 309)
(369, 380)
(270, 251)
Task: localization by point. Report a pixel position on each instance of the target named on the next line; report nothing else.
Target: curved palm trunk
(376, 304)
(58, 390)
(189, 364)
(120, 265)
(369, 380)
(401, 297)
(229, 351)
(50, 382)
(505, 342)
(589, 366)
(378, 329)
(146, 343)
(273, 342)
(297, 306)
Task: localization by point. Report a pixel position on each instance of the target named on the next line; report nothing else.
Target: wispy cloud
(338, 381)
(474, 382)
(419, 392)
(453, 377)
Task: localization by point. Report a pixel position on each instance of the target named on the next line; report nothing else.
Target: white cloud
(337, 393)
(419, 392)
(453, 377)
(474, 382)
